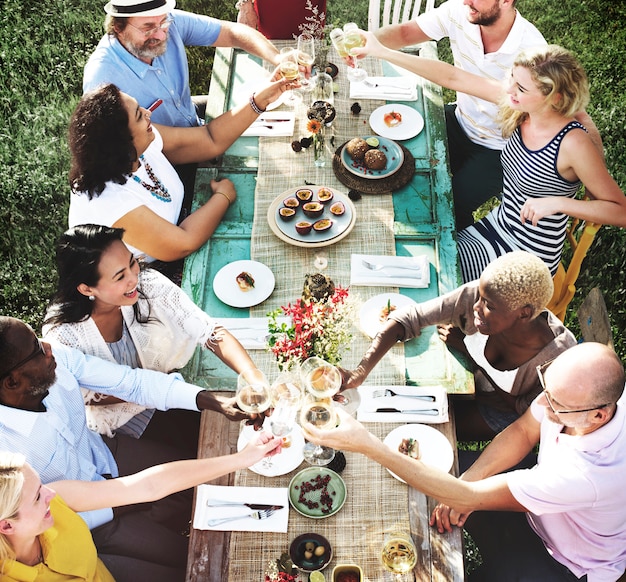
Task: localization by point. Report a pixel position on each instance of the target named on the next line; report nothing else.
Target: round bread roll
(356, 148)
(375, 160)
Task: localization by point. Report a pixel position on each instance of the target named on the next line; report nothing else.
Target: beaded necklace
(158, 190)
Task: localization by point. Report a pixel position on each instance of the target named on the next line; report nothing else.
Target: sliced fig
(287, 213)
(325, 195)
(303, 227)
(322, 224)
(304, 194)
(313, 209)
(338, 208)
(291, 202)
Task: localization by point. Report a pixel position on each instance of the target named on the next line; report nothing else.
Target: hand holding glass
(288, 68)
(320, 378)
(252, 394)
(320, 412)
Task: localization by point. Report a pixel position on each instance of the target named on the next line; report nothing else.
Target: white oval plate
(411, 125)
(226, 289)
(282, 463)
(435, 449)
(369, 315)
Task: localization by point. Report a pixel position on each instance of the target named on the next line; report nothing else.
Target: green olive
(319, 551)
(308, 555)
(309, 546)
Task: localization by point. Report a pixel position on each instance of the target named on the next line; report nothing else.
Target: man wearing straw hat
(143, 53)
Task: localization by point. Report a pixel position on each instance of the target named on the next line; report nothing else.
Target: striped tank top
(527, 174)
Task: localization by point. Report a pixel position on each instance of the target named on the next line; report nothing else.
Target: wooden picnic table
(416, 219)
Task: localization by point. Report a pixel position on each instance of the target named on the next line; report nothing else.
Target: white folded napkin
(277, 522)
(250, 331)
(369, 404)
(389, 88)
(390, 276)
(268, 124)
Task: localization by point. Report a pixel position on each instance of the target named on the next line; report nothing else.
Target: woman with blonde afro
(500, 322)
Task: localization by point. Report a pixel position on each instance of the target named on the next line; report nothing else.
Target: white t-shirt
(118, 200)
(476, 116)
(576, 496)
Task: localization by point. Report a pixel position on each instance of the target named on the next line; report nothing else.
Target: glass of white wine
(321, 379)
(398, 554)
(320, 412)
(282, 422)
(352, 39)
(288, 67)
(253, 391)
(306, 57)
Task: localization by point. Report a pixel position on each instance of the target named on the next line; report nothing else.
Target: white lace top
(166, 342)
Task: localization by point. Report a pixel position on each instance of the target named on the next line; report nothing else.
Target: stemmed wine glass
(306, 56)
(288, 67)
(398, 554)
(320, 412)
(352, 39)
(322, 381)
(253, 394)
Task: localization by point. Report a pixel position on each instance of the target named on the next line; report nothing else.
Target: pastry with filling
(245, 281)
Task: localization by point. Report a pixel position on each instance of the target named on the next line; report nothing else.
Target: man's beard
(487, 18)
(150, 49)
(40, 388)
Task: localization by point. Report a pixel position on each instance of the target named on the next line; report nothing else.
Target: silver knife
(218, 503)
(269, 120)
(426, 411)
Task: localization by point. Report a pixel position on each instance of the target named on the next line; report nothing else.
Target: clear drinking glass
(306, 57)
(320, 412)
(253, 391)
(282, 422)
(398, 553)
(288, 67)
(320, 378)
(352, 39)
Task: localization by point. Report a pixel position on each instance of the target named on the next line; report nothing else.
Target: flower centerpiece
(320, 326)
(320, 114)
(315, 25)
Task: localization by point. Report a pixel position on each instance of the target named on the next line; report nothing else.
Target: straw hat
(138, 8)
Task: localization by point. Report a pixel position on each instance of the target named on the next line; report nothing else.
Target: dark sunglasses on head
(38, 350)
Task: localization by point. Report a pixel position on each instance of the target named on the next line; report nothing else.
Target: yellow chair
(403, 10)
(580, 237)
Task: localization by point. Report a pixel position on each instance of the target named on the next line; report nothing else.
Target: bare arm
(491, 493)
(161, 480)
(230, 351)
(165, 241)
(183, 145)
(239, 35)
(397, 36)
(392, 333)
(436, 71)
(579, 159)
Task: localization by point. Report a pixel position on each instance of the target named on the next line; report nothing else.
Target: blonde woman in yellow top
(43, 539)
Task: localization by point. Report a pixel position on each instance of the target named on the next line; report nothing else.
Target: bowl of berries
(317, 492)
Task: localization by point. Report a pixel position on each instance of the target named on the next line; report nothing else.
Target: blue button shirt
(166, 78)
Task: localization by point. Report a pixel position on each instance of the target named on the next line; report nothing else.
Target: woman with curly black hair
(122, 175)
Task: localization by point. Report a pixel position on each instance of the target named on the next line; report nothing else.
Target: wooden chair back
(580, 237)
(395, 11)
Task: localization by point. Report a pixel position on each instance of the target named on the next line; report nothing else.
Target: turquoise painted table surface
(423, 224)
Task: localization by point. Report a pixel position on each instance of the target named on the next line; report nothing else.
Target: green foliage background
(44, 46)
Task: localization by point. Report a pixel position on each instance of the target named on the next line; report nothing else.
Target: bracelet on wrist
(254, 106)
(225, 196)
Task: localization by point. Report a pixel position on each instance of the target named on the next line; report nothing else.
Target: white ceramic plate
(285, 462)
(410, 126)
(435, 449)
(369, 315)
(226, 289)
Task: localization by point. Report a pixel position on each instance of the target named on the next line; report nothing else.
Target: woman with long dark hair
(106, 306)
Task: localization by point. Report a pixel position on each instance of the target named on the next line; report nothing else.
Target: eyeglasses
(540, 372)
(163, 26)
(38, 350)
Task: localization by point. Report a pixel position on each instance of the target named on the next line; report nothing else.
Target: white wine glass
(352, 39)
(288, 68)
(282, 422)
(253, 391)
(320, 378)
(306, 57)
(320, 413)
(398, 554)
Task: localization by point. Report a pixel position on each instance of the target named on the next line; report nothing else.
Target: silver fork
(371, 83)
(262, 514)
(379, 266)
(388, 392)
